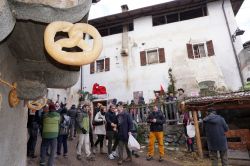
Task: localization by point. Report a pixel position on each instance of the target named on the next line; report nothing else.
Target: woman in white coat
(100, 127)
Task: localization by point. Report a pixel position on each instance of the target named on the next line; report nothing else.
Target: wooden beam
(197, 134)
(224, 106)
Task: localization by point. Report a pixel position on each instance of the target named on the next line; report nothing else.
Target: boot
(101, 151)
(128, 159)
(160, 159)
(120, 162)
(79, 157)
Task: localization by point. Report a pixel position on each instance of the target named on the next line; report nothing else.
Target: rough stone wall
(50, 11)
(13, 137)
(54, 3)
(7, 21)
(15, 67)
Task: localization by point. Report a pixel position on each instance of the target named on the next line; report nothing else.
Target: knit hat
(211, 110)
(52, 107)
(120, 103)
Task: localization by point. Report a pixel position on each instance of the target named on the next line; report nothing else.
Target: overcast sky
(108, 7)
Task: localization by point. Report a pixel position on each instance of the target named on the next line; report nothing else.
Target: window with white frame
(100, 65)
(200, 50)
(152, 56)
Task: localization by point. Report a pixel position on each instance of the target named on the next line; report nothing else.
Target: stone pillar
(7, 21)
(13, 121)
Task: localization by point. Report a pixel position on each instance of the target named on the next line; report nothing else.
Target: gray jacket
(72, 114)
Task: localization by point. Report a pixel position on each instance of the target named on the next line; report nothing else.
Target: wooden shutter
(210, 48)
(92, 68)
(107, 64)
(143, 58)
(161, 55)
(190, 51)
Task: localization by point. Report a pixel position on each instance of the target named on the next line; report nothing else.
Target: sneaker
(79, 157)
(111, 157)
(128, 159)
(119, 162)
(33, 156)
(149, 158)
(136, 155)
(65, 155)
(42, 163)
(160, 159)
(114, 154)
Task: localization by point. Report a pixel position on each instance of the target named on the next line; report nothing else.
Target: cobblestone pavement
(101, 159)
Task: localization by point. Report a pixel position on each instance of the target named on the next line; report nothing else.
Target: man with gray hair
(215, 128)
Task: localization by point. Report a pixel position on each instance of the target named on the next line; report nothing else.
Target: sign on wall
(137, 95)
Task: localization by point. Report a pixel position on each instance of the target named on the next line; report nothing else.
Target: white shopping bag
(190, 131)
(133, 144)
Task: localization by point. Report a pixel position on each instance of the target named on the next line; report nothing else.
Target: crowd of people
(57, 126)
(110, 125)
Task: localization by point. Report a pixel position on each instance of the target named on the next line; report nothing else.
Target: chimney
(124, 51)
(124, 8)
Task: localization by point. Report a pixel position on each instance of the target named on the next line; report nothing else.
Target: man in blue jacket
(215, 128)
(124, 130)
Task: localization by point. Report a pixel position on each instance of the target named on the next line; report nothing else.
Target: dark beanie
(211, 110)
(119, 103)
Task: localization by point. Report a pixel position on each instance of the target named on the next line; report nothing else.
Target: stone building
(244, 57)
(191, 37)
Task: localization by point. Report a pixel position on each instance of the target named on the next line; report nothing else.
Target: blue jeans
(62, 139)
(44, 146)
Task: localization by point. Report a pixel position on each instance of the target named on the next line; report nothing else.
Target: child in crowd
(134, 133)
(190, 135)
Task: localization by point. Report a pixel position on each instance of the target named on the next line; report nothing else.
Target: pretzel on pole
(37, 105)
(75, 32)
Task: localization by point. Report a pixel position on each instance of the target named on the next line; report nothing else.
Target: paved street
(101, 160)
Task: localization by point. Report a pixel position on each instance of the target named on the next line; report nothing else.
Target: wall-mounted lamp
(58, 97)
(117, 60)
(238, 32)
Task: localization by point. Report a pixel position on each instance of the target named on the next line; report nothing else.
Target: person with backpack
(63, 133)
(83, 128)
(50, 130)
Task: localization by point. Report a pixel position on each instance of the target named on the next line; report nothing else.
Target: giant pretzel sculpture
(75, 32)
(37, 105)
